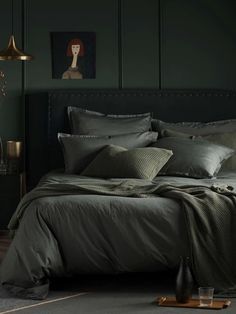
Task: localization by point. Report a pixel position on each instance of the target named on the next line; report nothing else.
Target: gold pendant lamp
(12, 52)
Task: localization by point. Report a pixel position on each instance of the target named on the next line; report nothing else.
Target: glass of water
(206, 296)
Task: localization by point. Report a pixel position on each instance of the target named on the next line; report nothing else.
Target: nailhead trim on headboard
(92, 93)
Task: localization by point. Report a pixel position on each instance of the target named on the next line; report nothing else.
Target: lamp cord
(12, 16)
(3, 84)
(1, 150)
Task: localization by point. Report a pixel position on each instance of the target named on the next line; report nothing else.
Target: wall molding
(120, 43)
(160, 25)
(120, 34)
(23, 35)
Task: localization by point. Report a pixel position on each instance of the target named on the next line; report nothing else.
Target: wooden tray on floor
(193, 303)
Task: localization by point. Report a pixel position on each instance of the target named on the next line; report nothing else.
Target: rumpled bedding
(71, 225)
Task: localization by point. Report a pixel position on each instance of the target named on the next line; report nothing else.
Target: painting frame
(73, 55)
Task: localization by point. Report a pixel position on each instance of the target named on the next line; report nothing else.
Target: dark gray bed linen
(74, 234)
(110, 233)
(227, 139)
(196, 128)
(193, 158)
(80, 150)
(88, 122)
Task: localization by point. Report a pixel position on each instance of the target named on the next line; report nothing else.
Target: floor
(118, 294)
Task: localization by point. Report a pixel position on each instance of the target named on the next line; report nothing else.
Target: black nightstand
(11, 191)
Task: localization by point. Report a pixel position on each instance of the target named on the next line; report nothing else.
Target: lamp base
(13, 165)
(3, 168)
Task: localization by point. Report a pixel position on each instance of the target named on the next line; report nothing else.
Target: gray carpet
(103, 295)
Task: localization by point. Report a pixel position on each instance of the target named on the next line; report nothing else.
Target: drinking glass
(206, 296)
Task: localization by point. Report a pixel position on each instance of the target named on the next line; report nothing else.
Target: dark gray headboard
(46, 115)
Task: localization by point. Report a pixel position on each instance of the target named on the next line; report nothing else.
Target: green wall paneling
(198, 44)
(10, 105)
(197, 50)
(140, 44)
(72, 15)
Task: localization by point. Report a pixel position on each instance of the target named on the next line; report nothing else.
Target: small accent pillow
(85, 122)
(193, 158)
(196, 128)
(80, 150)
(118, 162)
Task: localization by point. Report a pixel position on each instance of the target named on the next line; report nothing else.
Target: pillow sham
(196, 128)
(85, 122)
(80, 150)
(118, 162)
(193, 158)
(226, 139)
(171, 133)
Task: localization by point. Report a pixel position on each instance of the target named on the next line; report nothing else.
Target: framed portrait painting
(73, 55)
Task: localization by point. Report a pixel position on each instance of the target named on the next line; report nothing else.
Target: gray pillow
(85, 122)
(226, 139)
(118, 162)
(171, 133)
(193, 158)
(80, 150)
(196, 128)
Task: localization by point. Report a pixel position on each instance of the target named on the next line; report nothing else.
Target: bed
(72, 224)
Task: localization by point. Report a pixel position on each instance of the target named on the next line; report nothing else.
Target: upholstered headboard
(46, 115)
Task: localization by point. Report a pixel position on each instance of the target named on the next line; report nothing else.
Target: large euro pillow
(227, 139)
(118, 162)
(80, 150)
(85, 122)
(196, 128)
(193, 158)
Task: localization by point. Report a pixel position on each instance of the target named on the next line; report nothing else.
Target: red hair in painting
(75, 41)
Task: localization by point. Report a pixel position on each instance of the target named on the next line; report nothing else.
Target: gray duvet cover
(63, 231)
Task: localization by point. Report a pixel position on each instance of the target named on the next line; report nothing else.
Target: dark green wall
(193, 45)
(199, 44)
(10, 106)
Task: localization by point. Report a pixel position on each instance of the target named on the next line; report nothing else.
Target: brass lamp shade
(13, 53)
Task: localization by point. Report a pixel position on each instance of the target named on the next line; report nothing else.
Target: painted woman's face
(75, 49)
